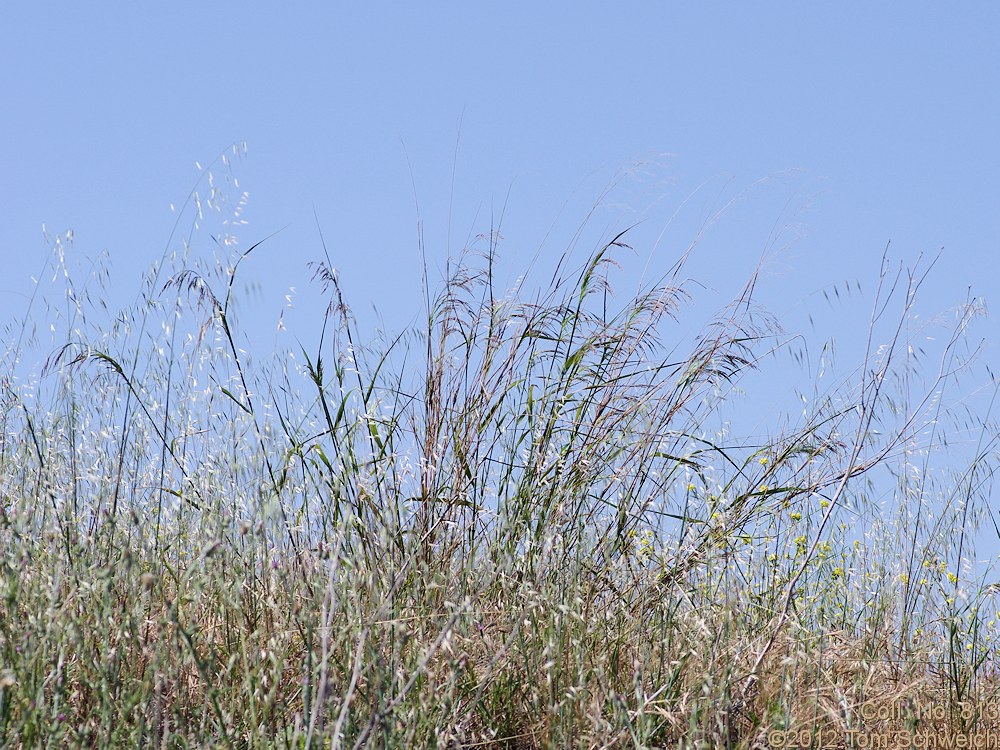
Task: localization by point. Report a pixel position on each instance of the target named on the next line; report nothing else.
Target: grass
(510, 527)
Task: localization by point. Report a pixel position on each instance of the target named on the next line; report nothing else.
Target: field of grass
(509, 527)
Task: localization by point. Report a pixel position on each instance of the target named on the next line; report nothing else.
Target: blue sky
(890, 119)
(831, 129)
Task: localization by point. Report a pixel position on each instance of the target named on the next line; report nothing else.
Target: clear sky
(890, 116)
(838, 127)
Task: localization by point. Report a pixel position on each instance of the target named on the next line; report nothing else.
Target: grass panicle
(530, 521)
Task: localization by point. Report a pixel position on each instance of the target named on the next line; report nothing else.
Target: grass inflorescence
(508, 527)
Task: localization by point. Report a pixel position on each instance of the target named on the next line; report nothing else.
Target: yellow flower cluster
(644, 543)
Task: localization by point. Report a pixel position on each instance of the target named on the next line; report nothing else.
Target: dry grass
(527, 538)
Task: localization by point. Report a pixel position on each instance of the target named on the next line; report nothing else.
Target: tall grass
(509, 527)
